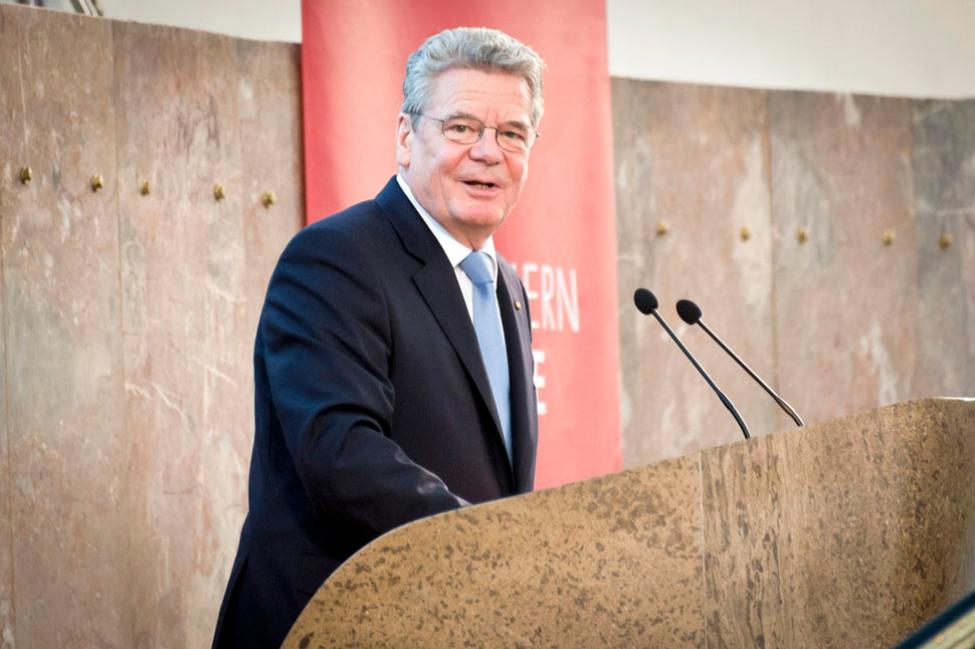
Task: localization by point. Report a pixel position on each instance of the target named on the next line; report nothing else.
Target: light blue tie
(487, 326)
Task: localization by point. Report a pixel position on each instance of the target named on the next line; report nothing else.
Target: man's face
(468, 188)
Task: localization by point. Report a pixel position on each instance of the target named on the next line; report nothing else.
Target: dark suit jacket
(373, 407)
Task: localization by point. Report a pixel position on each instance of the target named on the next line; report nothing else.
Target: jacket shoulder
(362, 229)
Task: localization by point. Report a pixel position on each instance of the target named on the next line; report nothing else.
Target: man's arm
(327, 346)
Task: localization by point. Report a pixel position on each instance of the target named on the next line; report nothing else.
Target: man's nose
(486, 149)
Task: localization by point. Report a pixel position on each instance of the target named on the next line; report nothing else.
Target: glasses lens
(462, 130)
(516, 138)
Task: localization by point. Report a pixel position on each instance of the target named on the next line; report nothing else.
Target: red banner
(561, 236)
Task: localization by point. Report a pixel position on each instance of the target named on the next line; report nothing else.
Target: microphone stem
(779, 400)
(725, 400)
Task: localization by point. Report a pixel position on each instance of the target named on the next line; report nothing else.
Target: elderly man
(392, 363)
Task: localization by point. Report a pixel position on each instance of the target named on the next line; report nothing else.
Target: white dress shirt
(456, 252)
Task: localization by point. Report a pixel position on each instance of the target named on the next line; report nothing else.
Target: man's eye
(460, 128)
(514, 136)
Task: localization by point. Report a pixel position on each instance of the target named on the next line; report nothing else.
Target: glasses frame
(443, 125)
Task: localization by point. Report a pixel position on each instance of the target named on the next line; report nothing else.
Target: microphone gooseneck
(691, 314)
(647, 303)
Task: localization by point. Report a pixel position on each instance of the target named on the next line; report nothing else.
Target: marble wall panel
(845, 316)
(695, 158)
(13, 194)
(187, 333)
(943, 163)
(269, 104)
(269, 96)
(67, 446)
(7, 628)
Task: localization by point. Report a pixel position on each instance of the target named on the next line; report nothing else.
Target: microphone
(691, 314)
(647, 303)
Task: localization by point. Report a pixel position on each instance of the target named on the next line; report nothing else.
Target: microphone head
(645, 301)
(688, 311)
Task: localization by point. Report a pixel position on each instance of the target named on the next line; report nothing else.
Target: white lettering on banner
(553, 298)
(553, 295)
(539, 380)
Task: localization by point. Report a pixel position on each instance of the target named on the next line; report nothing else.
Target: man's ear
(404, 140)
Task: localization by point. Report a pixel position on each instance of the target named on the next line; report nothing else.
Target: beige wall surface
(66, 442)
(838, 323)
(128, 318)
(11, 146)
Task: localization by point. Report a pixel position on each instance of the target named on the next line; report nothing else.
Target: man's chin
(472, 229)
(485, 222)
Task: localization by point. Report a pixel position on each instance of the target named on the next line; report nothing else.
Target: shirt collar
(456, 251)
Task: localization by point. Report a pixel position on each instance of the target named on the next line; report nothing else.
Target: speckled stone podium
(849, 533)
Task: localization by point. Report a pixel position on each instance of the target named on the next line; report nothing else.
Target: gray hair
(473, 48)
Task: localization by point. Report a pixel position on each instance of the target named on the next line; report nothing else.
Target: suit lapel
(517, 334)
(438, 286)
(437, 283)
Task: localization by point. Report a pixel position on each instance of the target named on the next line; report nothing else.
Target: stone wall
(875, 306)
(128, 317)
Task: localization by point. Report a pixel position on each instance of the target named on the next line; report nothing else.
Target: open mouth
(479, 185)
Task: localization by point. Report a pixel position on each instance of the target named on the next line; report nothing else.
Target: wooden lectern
(848, 533)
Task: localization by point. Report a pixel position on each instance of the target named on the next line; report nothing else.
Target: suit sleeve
(328, 350)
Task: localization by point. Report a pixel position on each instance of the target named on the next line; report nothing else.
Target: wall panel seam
(119, 324)
(6, 346)
(773, 292)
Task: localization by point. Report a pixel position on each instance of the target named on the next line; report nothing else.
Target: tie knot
(477, 266)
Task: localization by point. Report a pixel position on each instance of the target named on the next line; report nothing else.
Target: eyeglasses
(512, 137)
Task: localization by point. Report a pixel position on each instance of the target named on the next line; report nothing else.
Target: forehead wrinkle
(448, 94)
(465, 115)
(460, 114)
(460, 93)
